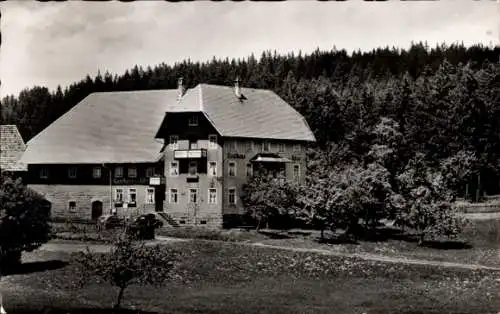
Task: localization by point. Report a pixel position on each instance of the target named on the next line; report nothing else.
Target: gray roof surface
(11, 149)
(120, 127)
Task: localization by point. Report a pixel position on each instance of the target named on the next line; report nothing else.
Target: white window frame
(170, 201)
(297, 148)
(193, 121)
(150, 171)
(72, 172)
(116, 172)
(173, 142)
(264, 146)
(208, 169)
(281, 147)
(150, 192)
(115, 198)
(249, 173)
(96, 170)
(210, 190)
(296, 177)
(191, 162)
(132, 175)
(191, 194)
(170, 168)
(212, 141)
(229, 196)
(44, 173)
(229, 168)
(129, 195)
(193, 144)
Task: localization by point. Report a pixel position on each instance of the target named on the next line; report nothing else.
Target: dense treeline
(444, 99)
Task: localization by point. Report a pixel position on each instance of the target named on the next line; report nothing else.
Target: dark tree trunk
(119, 298)
(421, 239)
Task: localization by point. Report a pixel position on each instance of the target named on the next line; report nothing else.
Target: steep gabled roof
(260, 114)
(11, 149)
(120, 127)
(110, 127)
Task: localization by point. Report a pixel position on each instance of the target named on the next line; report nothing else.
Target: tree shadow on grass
(274, 234)
(389, 233)
(80, 311)
(32, 267)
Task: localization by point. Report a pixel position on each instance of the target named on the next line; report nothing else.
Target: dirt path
(379, 258)
(74, 246)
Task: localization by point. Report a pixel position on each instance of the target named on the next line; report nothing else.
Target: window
(193, 144)
(281, 148)
(193, 195)
(232, 169)
(193, 167)
(296, 148)
(212, 196)
(232, 196)
(119, 172)
(296, 172)
(174, 142)
(72, 172)
(193, 121)
(150, 195)
(173, 197)
(174, 169)
(231, 146)
(132, 172)
(96, 172)
(266, 146)
(212, 141)
(249, 170)
(132, 196)
(212, 168)
(250, 146)
(44, 173)
(118, 195)
(150, 171)
(72, 206)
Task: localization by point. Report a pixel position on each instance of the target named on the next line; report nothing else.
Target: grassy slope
(231, 278)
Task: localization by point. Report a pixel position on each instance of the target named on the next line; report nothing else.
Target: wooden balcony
(190, 153)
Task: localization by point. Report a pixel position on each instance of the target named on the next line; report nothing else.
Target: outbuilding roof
(11, 149)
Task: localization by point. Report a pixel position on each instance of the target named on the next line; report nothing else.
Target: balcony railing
(190, 153)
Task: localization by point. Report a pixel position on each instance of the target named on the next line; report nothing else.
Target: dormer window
(193, 121)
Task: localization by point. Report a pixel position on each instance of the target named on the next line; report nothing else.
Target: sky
(58, 43)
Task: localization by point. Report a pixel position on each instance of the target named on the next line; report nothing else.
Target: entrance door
(96, 209)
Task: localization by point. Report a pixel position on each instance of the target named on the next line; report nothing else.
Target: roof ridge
(200, 99)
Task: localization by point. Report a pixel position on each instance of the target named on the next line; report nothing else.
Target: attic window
(119, 172)
(132, 172)
(72, 172)
(44, 173)
(193, 121)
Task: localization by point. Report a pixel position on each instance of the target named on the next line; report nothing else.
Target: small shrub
(128, 263)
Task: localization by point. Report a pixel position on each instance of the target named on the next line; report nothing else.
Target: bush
(143, 227)
(24, 221)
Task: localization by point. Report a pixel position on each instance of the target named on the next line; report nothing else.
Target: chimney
(180, 89)
(237, 91)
